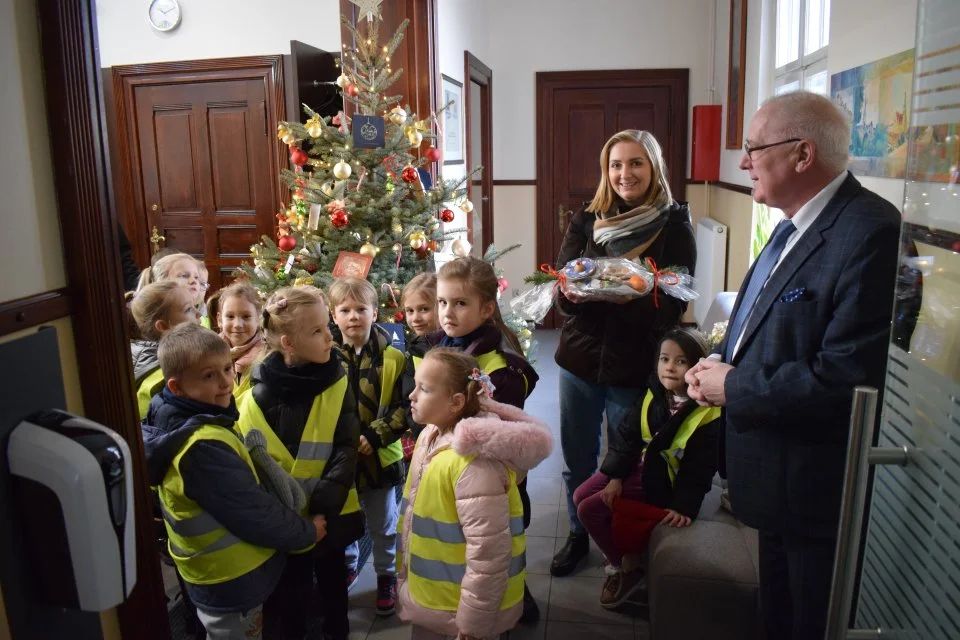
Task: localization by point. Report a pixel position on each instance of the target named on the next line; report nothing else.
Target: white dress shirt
(803, 219)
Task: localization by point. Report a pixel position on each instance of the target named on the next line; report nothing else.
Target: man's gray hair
(802, 114)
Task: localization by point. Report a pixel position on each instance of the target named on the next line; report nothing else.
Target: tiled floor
(569, 606)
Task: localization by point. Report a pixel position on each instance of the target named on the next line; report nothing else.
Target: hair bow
(486, 384)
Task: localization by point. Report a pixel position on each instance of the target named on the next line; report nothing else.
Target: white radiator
(711, 266)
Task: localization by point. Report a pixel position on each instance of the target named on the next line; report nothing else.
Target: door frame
(475, 71)
(550, 82)
(125, 146)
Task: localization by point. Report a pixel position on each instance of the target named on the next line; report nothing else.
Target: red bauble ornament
(433, 245)
(409, 174)
(446, 215)
(335, 120)
(398, 316)
(339, 218)
(287, 243)
(353, 90)
(298, 156)
(311, 268)
(432, 154)
(422, 253)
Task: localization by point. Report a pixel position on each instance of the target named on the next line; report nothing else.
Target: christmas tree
(358, 200)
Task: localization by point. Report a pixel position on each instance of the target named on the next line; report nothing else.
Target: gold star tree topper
(369, 8)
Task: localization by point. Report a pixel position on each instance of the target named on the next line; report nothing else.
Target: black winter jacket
(417, 347)
(285, 396)
(614, 344)
(224, 486)
(697, 466)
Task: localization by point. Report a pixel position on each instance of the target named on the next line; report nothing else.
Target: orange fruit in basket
(638, 284)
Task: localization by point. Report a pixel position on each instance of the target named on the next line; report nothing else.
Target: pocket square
(795, 295)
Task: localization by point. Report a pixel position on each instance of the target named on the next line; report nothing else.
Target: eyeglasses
(747, 149)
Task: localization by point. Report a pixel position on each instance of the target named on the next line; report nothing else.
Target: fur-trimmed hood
(505, 433)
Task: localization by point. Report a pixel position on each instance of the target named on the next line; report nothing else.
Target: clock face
(164, 15)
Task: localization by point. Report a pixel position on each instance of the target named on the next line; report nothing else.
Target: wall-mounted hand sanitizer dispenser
(73, 488)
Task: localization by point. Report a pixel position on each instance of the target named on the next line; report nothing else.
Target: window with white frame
(803, 31)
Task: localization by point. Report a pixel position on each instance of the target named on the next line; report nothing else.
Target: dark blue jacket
(787, 415)
(222, 484)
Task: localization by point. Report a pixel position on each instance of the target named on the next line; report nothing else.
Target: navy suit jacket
(820, 327)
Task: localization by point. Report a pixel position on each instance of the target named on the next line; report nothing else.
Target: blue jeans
(382, 512)
(582, 405)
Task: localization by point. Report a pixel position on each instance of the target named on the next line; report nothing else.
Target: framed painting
(452, 91)
(735, 73)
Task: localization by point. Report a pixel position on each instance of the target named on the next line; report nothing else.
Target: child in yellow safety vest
(462, 557)
(238, 310)
(467, 308)
(374, 368)
(419, 300)
(226, 534)
(156, 308)
(660, 462)
(303, 405)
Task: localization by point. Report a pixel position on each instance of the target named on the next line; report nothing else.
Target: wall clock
(164, 15)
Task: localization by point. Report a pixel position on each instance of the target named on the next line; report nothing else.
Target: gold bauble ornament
(342, 170)
(303, 281)
(314, 126)
(466, 206)
(283, 131)
(398, 115)
(289, 139)
(343, 80)
(415, 138)
(369, 250)
(422, 125)
(417, 243)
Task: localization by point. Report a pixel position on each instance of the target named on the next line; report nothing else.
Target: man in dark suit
(811, 321)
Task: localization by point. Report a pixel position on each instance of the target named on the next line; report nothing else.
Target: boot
(531, 612)
(567, 559)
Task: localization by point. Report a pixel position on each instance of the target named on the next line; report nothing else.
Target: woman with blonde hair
(607, 349)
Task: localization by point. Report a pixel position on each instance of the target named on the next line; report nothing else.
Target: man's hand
(613, 489)
(706, 380)
(365, 448)
(321, 525)
(675, 519)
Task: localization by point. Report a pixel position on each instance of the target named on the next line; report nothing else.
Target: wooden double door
(200, 150)
(577, 112)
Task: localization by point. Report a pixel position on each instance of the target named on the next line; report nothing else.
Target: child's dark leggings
(285, 612)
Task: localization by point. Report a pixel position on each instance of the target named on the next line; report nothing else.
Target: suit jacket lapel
(798, 255)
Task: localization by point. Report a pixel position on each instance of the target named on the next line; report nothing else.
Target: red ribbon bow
(667, 277)
(549, 270)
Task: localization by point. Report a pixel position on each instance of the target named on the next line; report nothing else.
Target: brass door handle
(156, 239)
(562, 217)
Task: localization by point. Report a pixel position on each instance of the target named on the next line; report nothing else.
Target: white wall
(215, 29)
(30, 251)
(562, 35)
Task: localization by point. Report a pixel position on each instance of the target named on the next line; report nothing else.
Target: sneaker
(352, 576)
(576, 549)
(619, 586)
(386, 595)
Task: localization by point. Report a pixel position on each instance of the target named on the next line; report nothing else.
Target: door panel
(205, 168)
(577, 112)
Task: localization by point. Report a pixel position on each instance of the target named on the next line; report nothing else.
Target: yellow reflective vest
(674, 453)
(316, 443)
(393, 361)
(205, 552)
(494, 361)
(436, 554)
(150, 386)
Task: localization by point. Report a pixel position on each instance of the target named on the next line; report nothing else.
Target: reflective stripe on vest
(316, 442)
(494, 361)
(673, 454)
(392, 368)
(151, 386)
(436, 553)
(204, 551)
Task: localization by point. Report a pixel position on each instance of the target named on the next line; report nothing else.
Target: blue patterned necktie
(765, 264)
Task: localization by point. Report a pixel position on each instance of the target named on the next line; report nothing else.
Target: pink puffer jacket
(500, 436)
